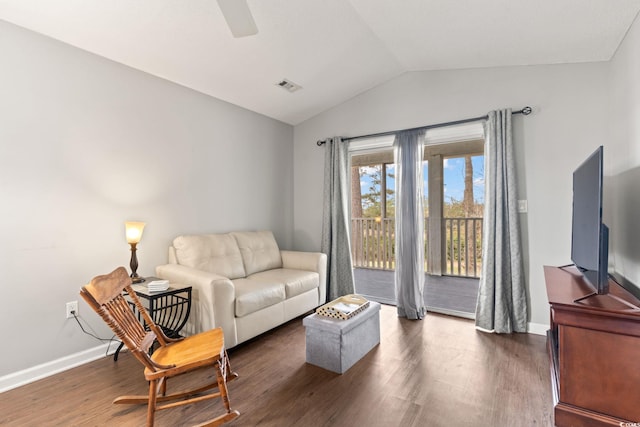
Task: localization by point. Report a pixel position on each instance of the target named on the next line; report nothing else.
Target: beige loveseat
(243, 282)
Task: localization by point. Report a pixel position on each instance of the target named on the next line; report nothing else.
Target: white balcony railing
(373, 245)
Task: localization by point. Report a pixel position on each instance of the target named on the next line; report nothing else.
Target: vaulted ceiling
(334, 49)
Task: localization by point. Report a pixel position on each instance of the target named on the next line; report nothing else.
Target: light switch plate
(522, 206)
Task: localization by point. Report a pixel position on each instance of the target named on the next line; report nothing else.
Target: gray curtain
(502, 303)
(409, 274)
(335, 219)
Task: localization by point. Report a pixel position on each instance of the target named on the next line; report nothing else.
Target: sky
(453, 179)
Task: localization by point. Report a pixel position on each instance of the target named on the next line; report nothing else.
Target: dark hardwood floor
(435, 372)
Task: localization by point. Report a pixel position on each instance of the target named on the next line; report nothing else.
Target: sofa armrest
(309, 261)
(212, 300)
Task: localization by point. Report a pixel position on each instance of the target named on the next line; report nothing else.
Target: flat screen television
(589, 235)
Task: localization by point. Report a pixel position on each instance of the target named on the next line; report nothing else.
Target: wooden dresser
(594, 349)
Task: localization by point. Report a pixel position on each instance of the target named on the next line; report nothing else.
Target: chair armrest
(309, 261)
(212, 300)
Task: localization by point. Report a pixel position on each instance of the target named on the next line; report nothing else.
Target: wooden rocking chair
(173, 357)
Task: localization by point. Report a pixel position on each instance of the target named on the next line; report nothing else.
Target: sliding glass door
(453, 170)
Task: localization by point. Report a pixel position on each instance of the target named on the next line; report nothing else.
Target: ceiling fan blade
(238, 17)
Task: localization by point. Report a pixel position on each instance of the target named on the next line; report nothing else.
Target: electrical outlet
(72, 307)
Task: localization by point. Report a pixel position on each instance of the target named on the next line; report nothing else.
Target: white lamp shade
(133, 231)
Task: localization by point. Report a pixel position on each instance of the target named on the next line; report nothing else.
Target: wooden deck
(443, 294)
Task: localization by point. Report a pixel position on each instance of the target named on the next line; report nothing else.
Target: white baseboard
(537, 328)
(532, 328)
(53, 367)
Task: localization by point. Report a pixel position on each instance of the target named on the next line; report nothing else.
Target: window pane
(391, 190)
(463, 186)
(370, 181)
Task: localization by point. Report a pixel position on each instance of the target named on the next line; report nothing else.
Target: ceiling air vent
(289, 85)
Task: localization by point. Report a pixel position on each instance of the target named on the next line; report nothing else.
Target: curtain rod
(525, 112)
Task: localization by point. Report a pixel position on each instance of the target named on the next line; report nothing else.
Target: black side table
(169, 309)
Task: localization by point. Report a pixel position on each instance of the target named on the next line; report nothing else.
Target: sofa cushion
(295, 282)
(215, 253)
(255, 294)
(259, 251)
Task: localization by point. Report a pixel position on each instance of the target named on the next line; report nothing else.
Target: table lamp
(133, 232)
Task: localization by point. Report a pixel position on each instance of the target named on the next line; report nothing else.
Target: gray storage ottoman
(336, 344)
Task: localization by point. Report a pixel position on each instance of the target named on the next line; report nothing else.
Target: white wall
(87, 144)
(569, 103)
(622, 159)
